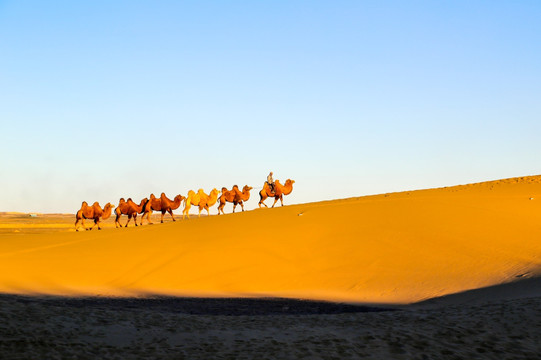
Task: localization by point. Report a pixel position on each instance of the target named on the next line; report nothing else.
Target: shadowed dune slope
(392, 248)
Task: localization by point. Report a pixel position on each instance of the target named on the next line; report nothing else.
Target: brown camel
(234, 196)
(129, 208)
(279, 191)
(94, 212)
(201, 200)
(227, 196)
(162, 204)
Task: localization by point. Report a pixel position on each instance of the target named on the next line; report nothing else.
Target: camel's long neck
(245, 195)
(140, 207)
(287, 189)
(212, 198)
(106, 213)
(176, 203)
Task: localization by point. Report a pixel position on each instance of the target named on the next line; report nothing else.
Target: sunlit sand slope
(391, 248)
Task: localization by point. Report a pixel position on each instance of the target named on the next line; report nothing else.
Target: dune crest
(390, 248)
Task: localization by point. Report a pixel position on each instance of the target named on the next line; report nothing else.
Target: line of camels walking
(164, 204)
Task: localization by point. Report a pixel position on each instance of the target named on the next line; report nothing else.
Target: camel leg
(234, 206)
(282, 200)
(163, 213)
(117, 224)
(186, 211)
(200, 208)
(241, 205)
(76, 222)
(95, 222)
(207, 208)
(261, 199)
(171, 213)
(275, 201)
(135, 219)
(148, 213)
(83, 222)
(127, 222)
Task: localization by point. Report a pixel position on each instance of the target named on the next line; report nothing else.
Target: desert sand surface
(440, 273)
(395, 248)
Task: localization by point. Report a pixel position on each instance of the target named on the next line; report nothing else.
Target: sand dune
(394, 248)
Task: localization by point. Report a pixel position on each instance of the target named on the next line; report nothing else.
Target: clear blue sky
(103, 99)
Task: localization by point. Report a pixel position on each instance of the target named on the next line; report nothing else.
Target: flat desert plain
(446, 273)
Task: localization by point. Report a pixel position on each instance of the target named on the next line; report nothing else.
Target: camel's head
(179, 197)
(289, 181)
(214, 191)
(109, 206)
(247, 188)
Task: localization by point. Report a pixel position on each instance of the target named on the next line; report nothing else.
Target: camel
(227, 196)
(94, 212)
(280, 190)
(207, 201)
(201, 200)
(234, 196)
(129, 208)
(162, 204)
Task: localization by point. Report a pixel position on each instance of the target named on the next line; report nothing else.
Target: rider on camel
(270, 181)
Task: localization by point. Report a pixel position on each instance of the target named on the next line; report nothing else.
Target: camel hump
(84, 203)
(96, 203)
(162, 194)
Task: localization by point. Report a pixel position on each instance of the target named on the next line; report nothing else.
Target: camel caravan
(199, 199)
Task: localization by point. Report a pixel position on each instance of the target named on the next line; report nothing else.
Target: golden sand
(391, 248)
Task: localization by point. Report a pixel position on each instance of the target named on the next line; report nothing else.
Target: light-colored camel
(94, 212)
(234, 196)
(193, 198)
(201, 200)
(162, 204)
(279, 191)
(206, 201)
(129, 208)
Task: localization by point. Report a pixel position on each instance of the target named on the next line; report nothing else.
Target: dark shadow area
(521, 288)
(201, 306)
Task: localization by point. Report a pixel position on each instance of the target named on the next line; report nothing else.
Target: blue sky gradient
(101, 100)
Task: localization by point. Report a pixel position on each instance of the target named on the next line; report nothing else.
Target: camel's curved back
(193, 197)
(122, 208)
(244, 195)
(213, 197)
(154, 203)
(107, 210)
